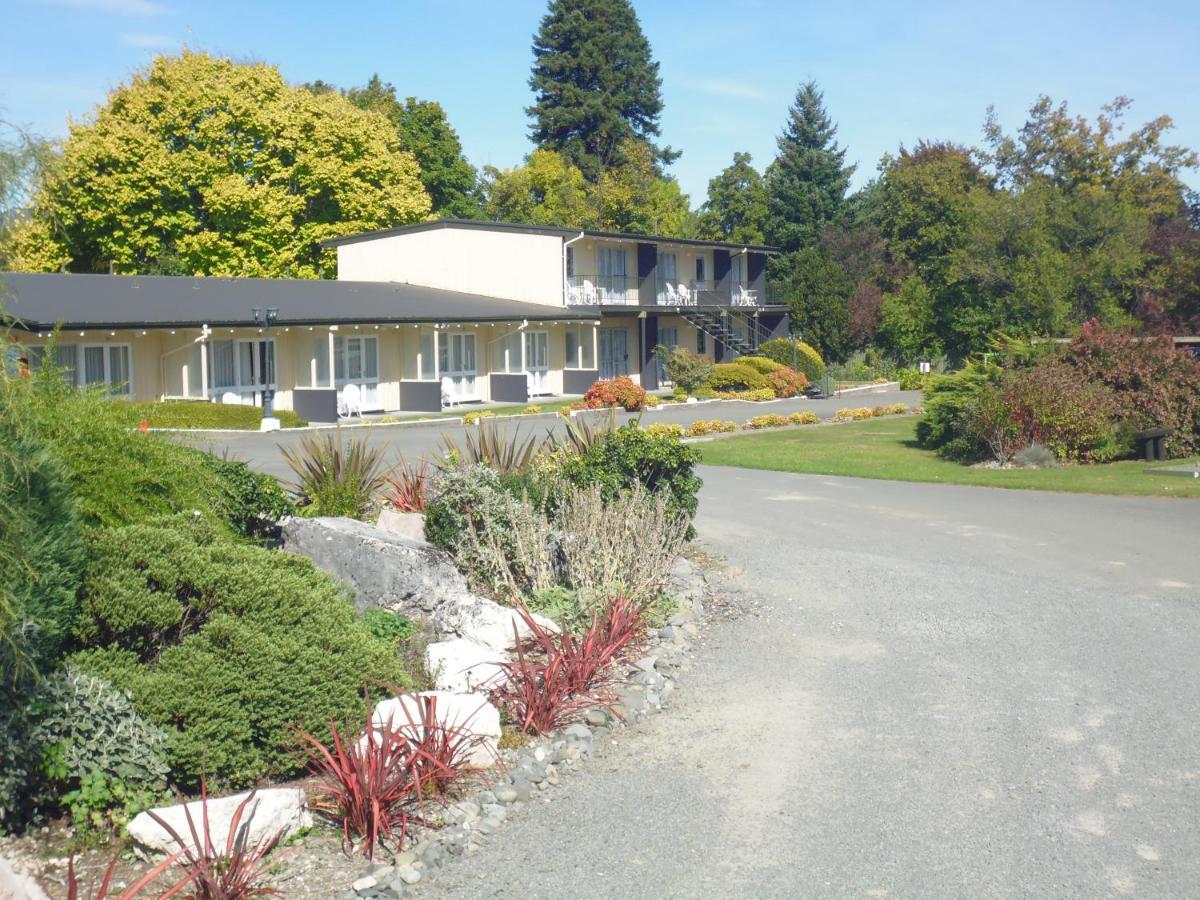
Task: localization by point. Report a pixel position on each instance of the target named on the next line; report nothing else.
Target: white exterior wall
(504, 264)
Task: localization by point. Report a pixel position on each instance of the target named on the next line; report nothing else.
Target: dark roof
(41, 301)
(551, 230)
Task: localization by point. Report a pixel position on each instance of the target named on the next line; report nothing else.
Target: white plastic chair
(672, 296)
(449, 397)
(231, 398)
(745, 297)
(685, 296)
(351, 401)
(589, 292)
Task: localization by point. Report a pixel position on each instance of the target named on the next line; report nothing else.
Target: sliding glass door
(458, 366)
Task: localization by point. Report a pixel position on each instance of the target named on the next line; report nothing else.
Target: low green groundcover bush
(225, 646)
(737, 376)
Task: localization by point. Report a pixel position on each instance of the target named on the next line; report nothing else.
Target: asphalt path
(937, 691)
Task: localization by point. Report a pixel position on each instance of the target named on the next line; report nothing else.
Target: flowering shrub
(652, 401)
(758, 395)
(1054, 404)
(769, 421)
(709, 426)
(804, 418)
(473, 418)
(1155, 385)
(531, 409)
(896, 409)
(786, 382)
(854, 415)
(736, 376)
(620, 392)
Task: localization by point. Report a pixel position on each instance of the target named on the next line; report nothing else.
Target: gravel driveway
(939, 691)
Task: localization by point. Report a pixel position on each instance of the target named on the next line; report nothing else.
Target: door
(614, 352)
(668, 273)
(357, 362)
(537, 361)
(458, 365)
(611, 275)
(669, 339)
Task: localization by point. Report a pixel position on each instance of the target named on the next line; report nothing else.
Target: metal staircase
(718, 326)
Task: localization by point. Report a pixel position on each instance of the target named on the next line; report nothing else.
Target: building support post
(204, 332)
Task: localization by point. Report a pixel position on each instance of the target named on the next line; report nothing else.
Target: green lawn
(885, 448)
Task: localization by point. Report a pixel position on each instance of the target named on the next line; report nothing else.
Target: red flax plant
(407, 489)
(374, 784)
(101, 891)
(239, 872)
(560, 675)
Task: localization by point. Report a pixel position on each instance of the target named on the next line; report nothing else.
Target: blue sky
(891, 72)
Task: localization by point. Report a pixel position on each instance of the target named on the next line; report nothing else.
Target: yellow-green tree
(200, 165)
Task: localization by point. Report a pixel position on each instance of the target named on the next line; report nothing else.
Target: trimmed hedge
(199, 414)
(808, 360)
(737, 376)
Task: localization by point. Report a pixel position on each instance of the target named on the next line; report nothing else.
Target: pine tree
(807, 182)
(595, 84)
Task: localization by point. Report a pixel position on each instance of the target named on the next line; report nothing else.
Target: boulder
(270, 812)
(406, 524)
(470, 712)
(15, 886)
(485, 622)
(461, 665)
(384, 569)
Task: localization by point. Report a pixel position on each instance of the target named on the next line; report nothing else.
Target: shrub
(804, 418)
(466, 500)
(1054, 404)
(737, 376)
(289, 419)
(1154, 385)
(652, 401)
(392, 628)
(1035, 456)
(761, 395)
(252, 502)
(532, 409)
(988, 420)
(911, 379)
(41, 555)
(774, 421)
(664, 429)
(856, 414)
(947, 398)
(224, 645)
(786, 382)
(336, 477)
(807, 360)
(760, 364)
(620, 392)
(544, 688)
(896, 409)
(630, 456)
(408, 486)
(474, 418)
(688, 371)
(709, 426)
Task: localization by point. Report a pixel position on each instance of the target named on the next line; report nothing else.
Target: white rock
(15, 886)
(485, 622)
(271, 811)
(406, 524)
(461, 666)
(470, 712)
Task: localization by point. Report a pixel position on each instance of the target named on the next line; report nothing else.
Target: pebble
(506, 794)
(364, 884)
(408, 874)
(596, 717)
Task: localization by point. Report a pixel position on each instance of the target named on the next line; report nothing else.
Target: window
(700, 268)
(735, 270)
(611, 273)
(320, 359)
(66, 358)
(426, 352)
(240, 364)
(511, 348)
(669, 339)
(580, 350)
(570, 262)
(107, 364)
(356, 359)
(701, 341)
(222, 372)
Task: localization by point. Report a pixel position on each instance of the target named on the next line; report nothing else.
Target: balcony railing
(625, 290)
(591, 290)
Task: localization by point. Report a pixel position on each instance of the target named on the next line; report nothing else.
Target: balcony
(626, 290)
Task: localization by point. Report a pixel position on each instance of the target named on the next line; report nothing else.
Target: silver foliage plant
(99, 730)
